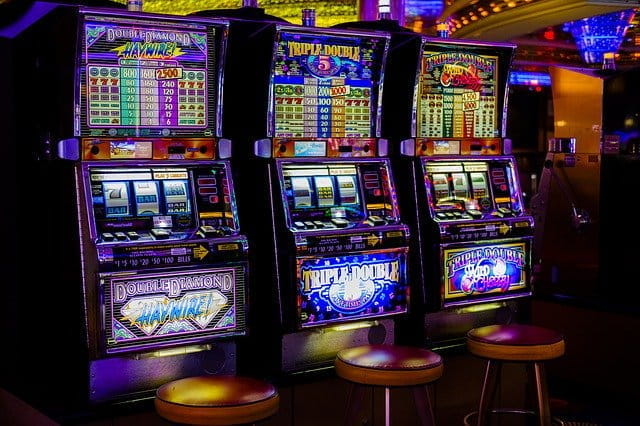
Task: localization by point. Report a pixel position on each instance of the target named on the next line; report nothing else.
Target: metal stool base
(420, 396)
(468, 417)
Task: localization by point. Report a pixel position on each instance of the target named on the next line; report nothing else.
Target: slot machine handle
(507, 146)
(383, 147)
(224, 148)
(408, 147)
(580, 218)
(262, 148)
(69, 149)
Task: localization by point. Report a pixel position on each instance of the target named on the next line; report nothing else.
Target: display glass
(326, 85)
(458, 95)
(472, 189)
(485, 270)
(349, 287)
(162, 308)
(309, 148)
(159, 202)
(143, 78)
(336, 195)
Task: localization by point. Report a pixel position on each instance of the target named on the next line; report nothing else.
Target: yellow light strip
(353, 326)
(327, 12)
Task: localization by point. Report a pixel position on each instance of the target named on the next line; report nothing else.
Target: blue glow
(424, 8)
(527, 78)
(600, 34)
(334, 289)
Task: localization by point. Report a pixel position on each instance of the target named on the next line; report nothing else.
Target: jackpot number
(470, 96)
(470, 105)
(168, 73)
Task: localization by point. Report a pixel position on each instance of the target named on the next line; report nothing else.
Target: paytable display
(324, 85)
(147, 79)
(457, 95)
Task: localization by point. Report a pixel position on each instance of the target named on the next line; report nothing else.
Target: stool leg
(423, 405)
(387, 406)
(489, 387)
(354, 402)
(543, 395)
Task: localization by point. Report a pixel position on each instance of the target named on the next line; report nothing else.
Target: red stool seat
(519, 343)
(515, 342)
(216, 400)
(387, 365)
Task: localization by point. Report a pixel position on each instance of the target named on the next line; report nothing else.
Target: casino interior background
(576, 74)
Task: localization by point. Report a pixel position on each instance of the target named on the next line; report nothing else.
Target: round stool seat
(515, 342)
(388, 365)
(216, 400)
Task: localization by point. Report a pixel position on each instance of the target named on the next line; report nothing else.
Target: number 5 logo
(324, 63)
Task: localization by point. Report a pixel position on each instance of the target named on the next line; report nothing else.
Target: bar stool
(216, 400)
(514, 343)
(389, 366)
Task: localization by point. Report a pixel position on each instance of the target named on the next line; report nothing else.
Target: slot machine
(332, 236)
(142, 264)
(461, 192)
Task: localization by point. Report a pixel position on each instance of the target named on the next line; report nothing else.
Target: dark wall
(529, 126)
(621, 109)
(8, 313)
(620, 183)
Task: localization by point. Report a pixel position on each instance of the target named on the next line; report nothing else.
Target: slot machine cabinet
(462, 196)
(142, 266)
(334, 242)
(566, 208)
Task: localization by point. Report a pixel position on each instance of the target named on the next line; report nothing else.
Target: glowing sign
(325, 85)
(457, 95)
(143, 78)
(332, 289)
(486, 269)
(310, 148)
(147, 313)
(152, 307)
(528, 78)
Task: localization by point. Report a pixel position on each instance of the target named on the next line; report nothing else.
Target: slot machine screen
(459, 94)
(326, 85)
(321, 192)
(330, 195)
(177, 199)
(141, 78)
(471, 189)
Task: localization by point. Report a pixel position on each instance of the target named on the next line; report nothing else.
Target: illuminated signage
(148, 307)
(332, 289)
(310, 148)
(325, 85)
(146, 79)
(458, 95)
(485, 269)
